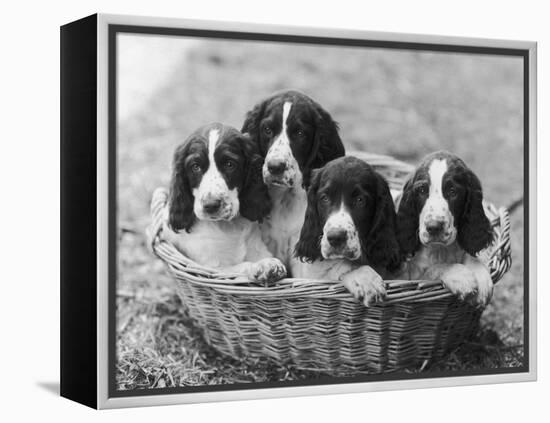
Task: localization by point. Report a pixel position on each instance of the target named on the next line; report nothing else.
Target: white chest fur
(281, 229)
(217, 244)
(427, 257)
(322, 269)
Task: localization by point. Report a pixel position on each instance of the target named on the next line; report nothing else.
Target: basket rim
(498, 259)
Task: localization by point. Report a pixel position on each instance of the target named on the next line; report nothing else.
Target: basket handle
(500, 260)
(158, 215)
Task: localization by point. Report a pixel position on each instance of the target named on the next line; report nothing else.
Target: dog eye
(359, 201)
(452, 192)
(300, 133)
(229, 165)
(267, 130)
(195, 168)
(422, 189)
(324, 198)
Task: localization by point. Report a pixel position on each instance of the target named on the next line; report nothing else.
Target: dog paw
(461, 281)
(365, 285)
(484, 287)
(267, 270)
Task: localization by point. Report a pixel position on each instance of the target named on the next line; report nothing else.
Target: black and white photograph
(302, 211)
(288, 211)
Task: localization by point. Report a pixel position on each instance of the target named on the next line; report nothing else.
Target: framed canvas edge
(148, 21)
(104, 401)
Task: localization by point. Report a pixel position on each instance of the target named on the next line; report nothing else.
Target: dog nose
(211, 206)
(434, 227)
(337, 237)
(276, 167)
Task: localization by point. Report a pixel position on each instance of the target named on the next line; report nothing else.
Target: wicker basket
(316, 324)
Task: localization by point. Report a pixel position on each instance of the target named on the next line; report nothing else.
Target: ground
(401, 103)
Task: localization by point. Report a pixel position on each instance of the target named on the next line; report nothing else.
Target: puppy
(349, 228)
(442, 227)
(216, 199)
(295, 135)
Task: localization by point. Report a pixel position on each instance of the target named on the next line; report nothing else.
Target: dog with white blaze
(217, 198)
(349, 229)
(295, 135)
(442, 227)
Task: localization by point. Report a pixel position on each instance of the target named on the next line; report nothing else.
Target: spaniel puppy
(442, 227)
(349, 228)
(216, 199)
(295, 135)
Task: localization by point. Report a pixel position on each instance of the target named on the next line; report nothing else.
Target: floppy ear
(474, 229)
(252, 121)
(181, 200)
(308, 246)
(380, 246)
(254, 200)
(327, 144)
(407, 221)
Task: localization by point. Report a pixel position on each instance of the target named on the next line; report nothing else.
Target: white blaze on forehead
(282, 141)
(213, 137)
(286, 112)
(437, 171)
(212, 172)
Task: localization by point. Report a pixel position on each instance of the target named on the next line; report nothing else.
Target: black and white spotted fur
(349, 228)
(442, 226)
(217, 196)
(295, 135)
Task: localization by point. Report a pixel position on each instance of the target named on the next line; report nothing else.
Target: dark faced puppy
(350, 215)
(295, 135)
(442, 203)
(216, 176)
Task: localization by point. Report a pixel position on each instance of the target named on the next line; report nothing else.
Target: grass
(405, 104)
